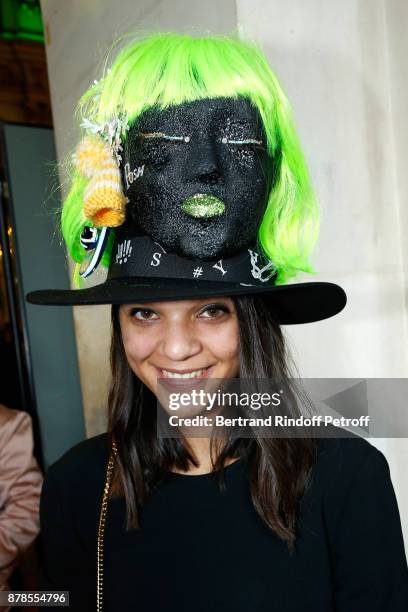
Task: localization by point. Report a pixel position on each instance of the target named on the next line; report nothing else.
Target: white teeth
(194, 374)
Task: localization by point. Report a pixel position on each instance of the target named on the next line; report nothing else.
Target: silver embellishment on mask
(111, 131)
(257, 272)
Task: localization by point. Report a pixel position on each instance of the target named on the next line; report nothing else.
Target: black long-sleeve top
(200, 549)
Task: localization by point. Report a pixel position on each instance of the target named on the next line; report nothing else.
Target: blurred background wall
(38, 354)
(343, 66)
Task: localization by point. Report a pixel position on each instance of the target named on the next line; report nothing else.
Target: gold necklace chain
(101, 528)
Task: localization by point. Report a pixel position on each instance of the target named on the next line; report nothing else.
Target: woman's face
(198, 338)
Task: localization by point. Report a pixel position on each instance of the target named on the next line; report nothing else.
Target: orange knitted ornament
(104, 200)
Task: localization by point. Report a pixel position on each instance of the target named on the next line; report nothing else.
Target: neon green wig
(167, 69)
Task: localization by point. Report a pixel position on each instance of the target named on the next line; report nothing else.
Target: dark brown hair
(280, 468)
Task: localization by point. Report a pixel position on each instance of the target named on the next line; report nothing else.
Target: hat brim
(292, 304)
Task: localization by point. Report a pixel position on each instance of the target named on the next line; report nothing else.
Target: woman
(192, 187)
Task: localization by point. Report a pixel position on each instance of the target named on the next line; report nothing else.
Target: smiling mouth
(183, 376)
(203, 206)
(183, 381)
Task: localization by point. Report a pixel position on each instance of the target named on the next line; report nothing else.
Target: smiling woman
(191, 185)
(209, 340)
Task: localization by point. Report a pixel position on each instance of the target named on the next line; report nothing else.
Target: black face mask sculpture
(198, 176)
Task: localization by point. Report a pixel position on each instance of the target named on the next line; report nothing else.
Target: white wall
(344, 66)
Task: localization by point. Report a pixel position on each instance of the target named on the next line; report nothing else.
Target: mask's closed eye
(161, 136)
(252, 142)
(155, 147)
(243, 151)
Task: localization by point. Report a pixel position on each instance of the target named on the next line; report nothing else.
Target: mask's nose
(203, 170)
(203, 163)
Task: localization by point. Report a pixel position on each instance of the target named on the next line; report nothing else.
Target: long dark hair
(280, 468)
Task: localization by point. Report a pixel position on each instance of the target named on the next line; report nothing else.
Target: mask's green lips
(203, 205)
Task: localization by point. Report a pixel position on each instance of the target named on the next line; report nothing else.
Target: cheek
(223, 342)
(251, 185)
(155, 188)
(138, 346)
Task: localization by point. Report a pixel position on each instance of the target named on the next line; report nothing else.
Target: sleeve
(370, 566)
(20, 487)
(67, 566)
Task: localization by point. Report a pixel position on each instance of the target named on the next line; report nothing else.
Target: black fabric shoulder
(90, 455)
(343, 455)
(351, 493)
(339, 461)
(345, 449)
(79, 477)
(363, 527)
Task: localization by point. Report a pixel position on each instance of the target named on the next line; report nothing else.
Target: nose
(180, 341)
(203, 162)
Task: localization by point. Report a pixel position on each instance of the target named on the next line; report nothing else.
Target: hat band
(140, 256)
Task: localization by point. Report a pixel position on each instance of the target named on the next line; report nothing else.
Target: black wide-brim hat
(142, 271)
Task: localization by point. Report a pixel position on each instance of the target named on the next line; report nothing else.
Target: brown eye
(143, 314)
(214, 311)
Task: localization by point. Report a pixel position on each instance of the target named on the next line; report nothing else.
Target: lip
(203, 206)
